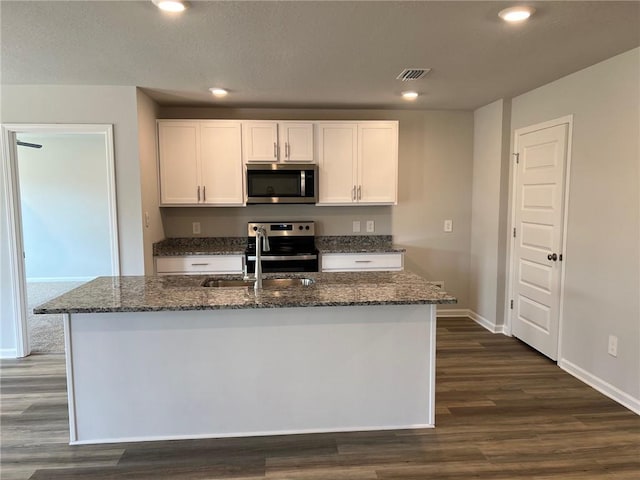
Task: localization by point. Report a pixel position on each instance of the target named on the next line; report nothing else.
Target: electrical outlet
(613, 346)
(371, 226)
(448, 225)
(356, 226)
(196, 227)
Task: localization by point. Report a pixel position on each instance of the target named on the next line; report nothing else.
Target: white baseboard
(8, 353)
(160, 438)
(488, 324)
(479, 319)
(602, 386)
(452, 312)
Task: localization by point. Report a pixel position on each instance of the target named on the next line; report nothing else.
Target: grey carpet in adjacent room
(45, 332)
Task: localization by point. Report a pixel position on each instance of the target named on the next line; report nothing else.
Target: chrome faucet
(261, 233)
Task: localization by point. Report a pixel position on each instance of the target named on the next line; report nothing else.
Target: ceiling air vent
(412, 74)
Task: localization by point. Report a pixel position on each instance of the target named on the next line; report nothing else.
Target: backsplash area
(232, 221)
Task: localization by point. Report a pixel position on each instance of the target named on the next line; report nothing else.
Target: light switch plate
(356, 226)
(448, 225)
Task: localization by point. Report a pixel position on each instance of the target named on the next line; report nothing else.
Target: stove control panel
(283, 229)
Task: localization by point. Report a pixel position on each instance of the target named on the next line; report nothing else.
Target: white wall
(64, 193)
(153, 230)
(602, 284)
(490, 153)
(434, 184)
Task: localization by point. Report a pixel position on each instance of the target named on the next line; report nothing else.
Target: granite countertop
(357, 244)
(172, 247)
(184, 292)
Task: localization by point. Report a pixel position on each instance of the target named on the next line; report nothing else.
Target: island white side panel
(162, 375)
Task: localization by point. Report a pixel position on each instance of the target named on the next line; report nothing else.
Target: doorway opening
(62, 220)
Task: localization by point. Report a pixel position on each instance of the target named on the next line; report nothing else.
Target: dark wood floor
(503, 412)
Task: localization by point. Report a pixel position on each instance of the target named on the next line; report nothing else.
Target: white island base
(225, 373)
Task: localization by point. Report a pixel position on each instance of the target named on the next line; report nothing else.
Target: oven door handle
(286, 258)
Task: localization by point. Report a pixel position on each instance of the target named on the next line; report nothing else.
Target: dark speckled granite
(236, 245)
(200, 246)
(147, 294)
(356, 244)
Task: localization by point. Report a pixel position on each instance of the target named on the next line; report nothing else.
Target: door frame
(513, 178)
(17, 275)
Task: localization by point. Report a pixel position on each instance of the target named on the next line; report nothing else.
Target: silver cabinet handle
(287, 150)
(363, 261)
(353, 193)
(275, 150)
(198, 193)
(199, 264)
(359, 192)
(204, 193)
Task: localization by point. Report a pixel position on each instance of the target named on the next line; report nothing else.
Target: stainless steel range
(291, 246)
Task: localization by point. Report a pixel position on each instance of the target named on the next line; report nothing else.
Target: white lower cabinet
(360, 262)
(199, 264)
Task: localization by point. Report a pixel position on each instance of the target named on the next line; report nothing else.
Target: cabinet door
(260, 141)
(378, 162)
(178, 150)
(296, 142)
(199, 264)
(337, 162)
(361, 262)
(221, 163)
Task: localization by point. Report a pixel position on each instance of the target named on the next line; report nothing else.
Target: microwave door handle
(303, 185)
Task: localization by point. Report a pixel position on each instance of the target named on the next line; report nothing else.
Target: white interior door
(538, 209)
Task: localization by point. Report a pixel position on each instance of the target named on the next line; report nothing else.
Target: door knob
(553, 257)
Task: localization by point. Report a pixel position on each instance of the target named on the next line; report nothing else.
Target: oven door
(284, 263)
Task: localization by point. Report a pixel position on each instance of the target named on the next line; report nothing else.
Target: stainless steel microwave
(281, 183)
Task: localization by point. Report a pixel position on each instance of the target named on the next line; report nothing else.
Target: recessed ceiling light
(409, 95)
(516, 14)
(218, 92)
(170, 5)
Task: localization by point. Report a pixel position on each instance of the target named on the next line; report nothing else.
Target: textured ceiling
(330, 54)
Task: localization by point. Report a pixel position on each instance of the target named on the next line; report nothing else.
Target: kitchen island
(151, 358)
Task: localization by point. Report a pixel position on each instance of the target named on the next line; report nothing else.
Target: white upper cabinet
(358, 163)
(378, 163)
(260, 141)
(221, 163)
(337, 162)
(296, 142)
(200, 162)
(179, 155)
(269, 141)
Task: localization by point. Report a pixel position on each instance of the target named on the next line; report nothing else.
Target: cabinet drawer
(195, 264)
(354, 262)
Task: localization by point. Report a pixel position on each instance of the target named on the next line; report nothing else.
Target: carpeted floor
(46, 331)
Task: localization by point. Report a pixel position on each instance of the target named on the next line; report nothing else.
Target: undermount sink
(266, 283)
